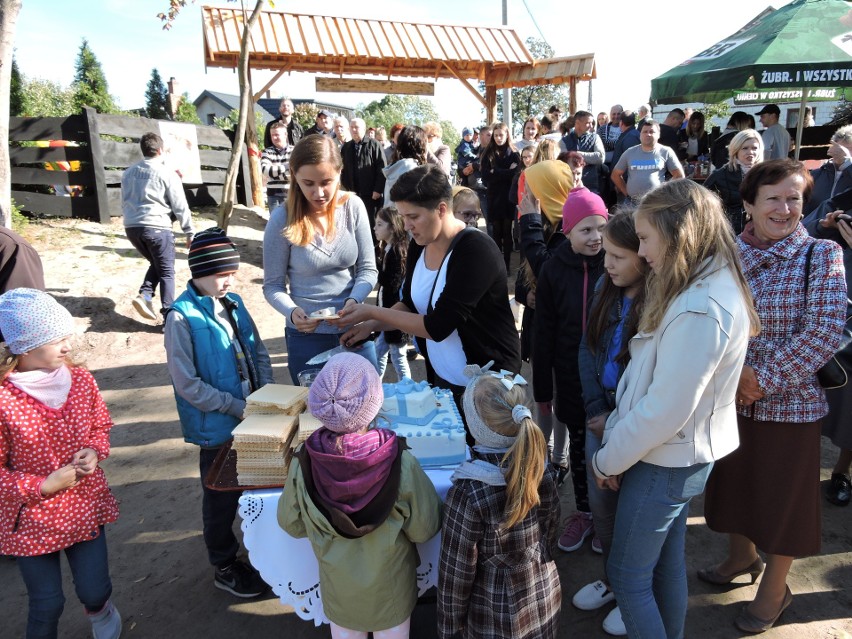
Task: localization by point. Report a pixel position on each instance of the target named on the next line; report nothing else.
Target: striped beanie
(212, 252)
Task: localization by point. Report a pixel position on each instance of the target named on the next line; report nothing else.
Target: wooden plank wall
(108, 144)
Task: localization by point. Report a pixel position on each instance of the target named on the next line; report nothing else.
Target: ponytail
(526, 468)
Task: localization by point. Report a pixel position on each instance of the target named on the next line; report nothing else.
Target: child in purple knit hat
(363, 502)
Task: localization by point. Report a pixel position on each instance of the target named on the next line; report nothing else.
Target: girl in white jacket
(675, 409)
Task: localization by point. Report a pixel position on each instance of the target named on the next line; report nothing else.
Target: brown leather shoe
(747, 622)
(712, 576)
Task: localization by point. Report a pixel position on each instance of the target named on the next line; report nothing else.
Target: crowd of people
(674, 331)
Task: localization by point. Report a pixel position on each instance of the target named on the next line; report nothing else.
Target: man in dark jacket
(322, 126)
(363, 161)
(629, 136)
(294, 129)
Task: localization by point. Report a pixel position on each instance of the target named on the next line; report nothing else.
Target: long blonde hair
(693, 227)
(527, 455)
(314, 149)
(547, 149)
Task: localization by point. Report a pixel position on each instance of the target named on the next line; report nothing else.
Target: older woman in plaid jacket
(766, 494)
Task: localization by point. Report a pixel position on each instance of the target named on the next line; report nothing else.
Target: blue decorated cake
(428, 419)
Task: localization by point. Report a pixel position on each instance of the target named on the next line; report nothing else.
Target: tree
(156, 97)
(532, 100)
(90, 85)
(230, 188)
(391, 109)
(842, 114)
(306, 114)
(186, 111)
(16, 90)
(46, 99)
(9, 10)
(230, 122)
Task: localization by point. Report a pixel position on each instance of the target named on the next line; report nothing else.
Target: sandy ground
(162, 581)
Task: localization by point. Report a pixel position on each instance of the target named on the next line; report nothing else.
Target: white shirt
(447, 357)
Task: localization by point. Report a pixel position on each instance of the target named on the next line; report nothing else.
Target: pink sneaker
(577, 527)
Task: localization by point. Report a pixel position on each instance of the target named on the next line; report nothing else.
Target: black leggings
(501, 233)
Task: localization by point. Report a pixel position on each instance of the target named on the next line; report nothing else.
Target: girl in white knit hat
(53, 494)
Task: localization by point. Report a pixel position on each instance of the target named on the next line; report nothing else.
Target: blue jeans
(158, 247)
(274, 201)
(398, 357)
(647, 567)
(43, 577)
(303, 346)
(603, 502)
(218, 511)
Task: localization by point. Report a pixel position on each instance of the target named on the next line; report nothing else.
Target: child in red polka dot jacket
(54, 432)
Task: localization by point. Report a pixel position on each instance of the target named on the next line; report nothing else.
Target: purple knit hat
(581, 203)
(347, 394)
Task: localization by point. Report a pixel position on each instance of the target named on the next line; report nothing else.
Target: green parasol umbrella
(806, 44)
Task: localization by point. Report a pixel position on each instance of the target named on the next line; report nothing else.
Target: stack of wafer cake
(277, 399)
(307, 425)
(263, 440)
(262, 444)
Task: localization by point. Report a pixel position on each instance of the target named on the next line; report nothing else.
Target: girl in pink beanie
(566, 283)
(363, 502)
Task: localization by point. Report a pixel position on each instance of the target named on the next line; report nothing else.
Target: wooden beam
(572, 96)
(348, 85)
(267, 86)
(466, 84)
(490, 105)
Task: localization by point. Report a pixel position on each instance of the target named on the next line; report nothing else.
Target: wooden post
(490, 104)
(253, 150)
(572, 96)
(96, 159)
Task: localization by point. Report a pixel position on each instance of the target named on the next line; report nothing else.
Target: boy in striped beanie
(216, 359)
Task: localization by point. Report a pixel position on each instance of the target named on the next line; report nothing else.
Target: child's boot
(106, 623)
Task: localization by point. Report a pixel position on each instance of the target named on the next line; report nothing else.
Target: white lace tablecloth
(289, 565)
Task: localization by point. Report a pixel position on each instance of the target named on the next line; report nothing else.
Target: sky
(128, 39)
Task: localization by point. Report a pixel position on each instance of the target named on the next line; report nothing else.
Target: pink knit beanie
(347, 394)
(581, 203)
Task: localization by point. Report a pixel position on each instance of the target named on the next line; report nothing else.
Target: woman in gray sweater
(317, 253)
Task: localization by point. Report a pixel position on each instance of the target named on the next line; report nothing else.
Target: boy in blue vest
(216, 359)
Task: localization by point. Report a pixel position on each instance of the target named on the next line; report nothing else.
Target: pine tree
(90, 85)
(186, 111)
(156, 97)
(16, 91)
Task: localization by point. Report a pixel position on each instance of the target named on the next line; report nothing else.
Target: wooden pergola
(286, 42)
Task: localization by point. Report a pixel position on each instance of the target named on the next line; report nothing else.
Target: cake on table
(428, 419)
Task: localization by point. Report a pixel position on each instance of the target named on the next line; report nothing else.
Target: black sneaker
(241, 580)
(839, 490)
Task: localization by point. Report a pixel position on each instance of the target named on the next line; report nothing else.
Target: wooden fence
(104, 146)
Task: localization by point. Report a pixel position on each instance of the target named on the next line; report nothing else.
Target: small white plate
(317, 315)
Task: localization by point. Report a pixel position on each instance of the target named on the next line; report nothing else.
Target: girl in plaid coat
(497, 576)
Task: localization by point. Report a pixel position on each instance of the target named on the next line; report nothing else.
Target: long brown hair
(621, 232)
(694, 228)
(526, 456)
(312, 150)
(399, 238)
(494, 150)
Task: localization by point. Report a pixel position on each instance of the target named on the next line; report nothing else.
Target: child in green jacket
(363, 502)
